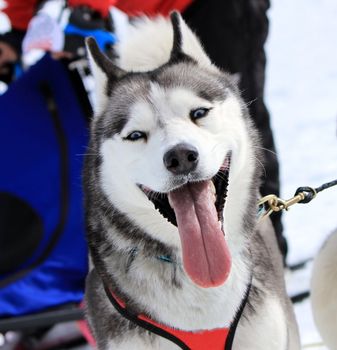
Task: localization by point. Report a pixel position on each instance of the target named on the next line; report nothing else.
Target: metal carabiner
(265, 205)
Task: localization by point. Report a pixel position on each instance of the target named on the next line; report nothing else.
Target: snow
(301, 94)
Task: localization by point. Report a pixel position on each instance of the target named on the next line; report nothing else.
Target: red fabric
(214, 339)
(20, 12)
(85, 330)
(151, 7)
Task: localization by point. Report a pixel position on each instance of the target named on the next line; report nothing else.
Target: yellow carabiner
(272, 203)
(265, 205)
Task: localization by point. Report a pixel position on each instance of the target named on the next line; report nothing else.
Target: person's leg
(233, 33)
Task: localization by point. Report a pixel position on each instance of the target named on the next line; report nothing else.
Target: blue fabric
(30, 169)
(18, 71)
(102, 37)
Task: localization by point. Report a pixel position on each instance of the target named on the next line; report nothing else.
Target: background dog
(324, 291)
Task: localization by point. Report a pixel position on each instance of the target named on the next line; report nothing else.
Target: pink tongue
(206, 256)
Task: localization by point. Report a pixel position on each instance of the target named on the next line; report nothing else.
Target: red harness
(215, 339)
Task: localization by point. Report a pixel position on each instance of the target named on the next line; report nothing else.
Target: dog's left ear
(104, 71)
(186, 43)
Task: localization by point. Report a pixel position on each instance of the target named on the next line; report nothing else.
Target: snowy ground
(301, 94)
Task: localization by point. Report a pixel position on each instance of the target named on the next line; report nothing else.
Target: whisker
(266, 149)
(263, 167)
(155, 195)
(248, 103)
(86, 154)
(221, 176)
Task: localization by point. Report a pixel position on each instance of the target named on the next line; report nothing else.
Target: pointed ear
(103, 70)
(185, 42)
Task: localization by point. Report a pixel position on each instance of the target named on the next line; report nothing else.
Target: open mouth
(196, 208)
(218, 186)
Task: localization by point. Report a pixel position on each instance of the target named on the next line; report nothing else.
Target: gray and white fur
(160, 78)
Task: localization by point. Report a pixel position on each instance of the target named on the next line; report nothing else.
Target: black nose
(181, 159)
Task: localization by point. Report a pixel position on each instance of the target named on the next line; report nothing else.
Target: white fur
(324, 291)
(150, 42)
(100, 79)
(136, 343)
(169, 305)
(263, 332)
(126, 164)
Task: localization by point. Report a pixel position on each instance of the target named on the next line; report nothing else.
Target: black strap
(310, 192)
(158, 331)
(141, 323)
(326, 185)
(234, 325)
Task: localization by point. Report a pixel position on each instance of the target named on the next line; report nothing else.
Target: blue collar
(164, 258)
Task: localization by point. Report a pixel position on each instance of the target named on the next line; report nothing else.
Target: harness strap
(237, 318)
(120, 307)
(216, 339)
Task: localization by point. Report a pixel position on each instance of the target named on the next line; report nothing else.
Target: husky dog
(171, 188)
(324, 291)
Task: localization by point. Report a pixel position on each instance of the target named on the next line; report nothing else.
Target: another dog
(171, 180)
(324, 291)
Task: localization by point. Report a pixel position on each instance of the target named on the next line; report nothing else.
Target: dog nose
(181, 159)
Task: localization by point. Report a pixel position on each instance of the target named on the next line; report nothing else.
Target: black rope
(300, 297)
(300, 265)
(310, 193)
(326, 185)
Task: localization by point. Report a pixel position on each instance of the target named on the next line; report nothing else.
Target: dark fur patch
(177, 53)
(103, 62)
(206, 84)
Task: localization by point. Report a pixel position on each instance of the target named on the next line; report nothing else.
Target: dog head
(177, 151)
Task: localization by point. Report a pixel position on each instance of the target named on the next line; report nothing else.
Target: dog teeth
(212, 187)
(169, 200)
(213, 190)
(145, 189)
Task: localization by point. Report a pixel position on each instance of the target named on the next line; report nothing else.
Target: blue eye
(136, 135)
(199, 113)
